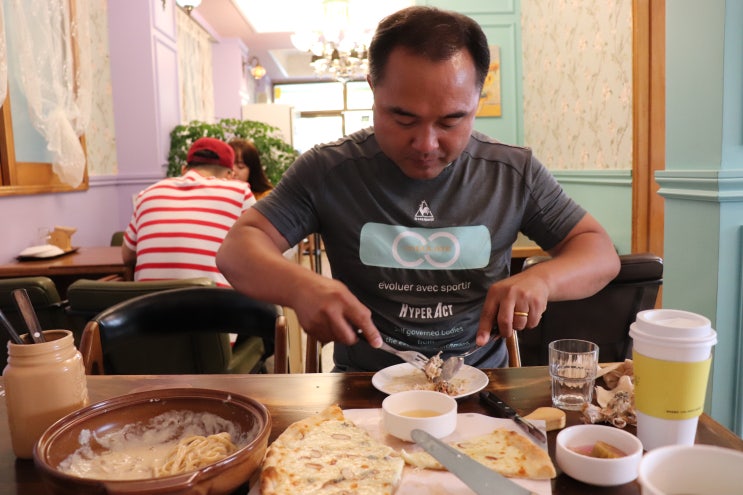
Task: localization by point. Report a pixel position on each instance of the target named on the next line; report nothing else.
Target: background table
(86, 262)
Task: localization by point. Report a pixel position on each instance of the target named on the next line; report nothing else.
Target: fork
(453, 364)
(414, 358)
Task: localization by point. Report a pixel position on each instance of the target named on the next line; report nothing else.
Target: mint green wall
(607, 195)
(703, 183)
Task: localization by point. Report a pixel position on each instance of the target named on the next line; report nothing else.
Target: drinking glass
(573, 364)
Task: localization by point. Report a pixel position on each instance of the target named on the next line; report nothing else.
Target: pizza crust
(504, 451)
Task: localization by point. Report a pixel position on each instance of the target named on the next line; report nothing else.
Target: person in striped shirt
(179, 223)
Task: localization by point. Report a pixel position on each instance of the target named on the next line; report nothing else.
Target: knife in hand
(481, 479)
(505, 411)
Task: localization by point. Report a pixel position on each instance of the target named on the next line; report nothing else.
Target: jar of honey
(43, 382)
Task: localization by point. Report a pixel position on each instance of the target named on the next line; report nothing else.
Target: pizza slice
(326, 454)
(504, 451)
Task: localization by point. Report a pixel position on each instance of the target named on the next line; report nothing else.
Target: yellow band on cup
(670, 389)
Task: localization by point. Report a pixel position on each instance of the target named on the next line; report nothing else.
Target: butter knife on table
(505, 411)
(481, 479)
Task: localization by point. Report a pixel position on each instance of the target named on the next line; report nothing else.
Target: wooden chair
(603, 318)
(49, 306)
(181, 331)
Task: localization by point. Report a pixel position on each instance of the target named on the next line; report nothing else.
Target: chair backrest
(117, 238)
(603, 318)
(86, 298)
(173, 331)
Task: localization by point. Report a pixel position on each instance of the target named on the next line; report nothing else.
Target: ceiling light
(188, 5)
(256, 69)
(339, 49)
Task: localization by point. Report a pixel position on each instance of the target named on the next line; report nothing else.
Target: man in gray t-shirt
(418, 215)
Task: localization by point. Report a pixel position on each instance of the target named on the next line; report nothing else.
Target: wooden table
(293, 397)
(86, 262)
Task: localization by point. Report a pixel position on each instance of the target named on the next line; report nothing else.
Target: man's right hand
(327, 310)
(251, 259)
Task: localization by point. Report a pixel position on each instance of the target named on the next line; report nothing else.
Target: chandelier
(338, 48)
(187, 5)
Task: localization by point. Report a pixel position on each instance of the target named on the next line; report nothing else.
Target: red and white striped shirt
(179, 223)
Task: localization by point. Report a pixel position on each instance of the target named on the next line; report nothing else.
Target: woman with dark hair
(248, 167)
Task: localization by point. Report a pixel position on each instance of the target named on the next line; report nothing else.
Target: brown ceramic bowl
(222, 477)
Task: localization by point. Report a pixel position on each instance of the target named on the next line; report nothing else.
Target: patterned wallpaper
(100, 139)
(577, 64)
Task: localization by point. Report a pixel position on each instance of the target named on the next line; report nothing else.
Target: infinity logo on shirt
(452, 248)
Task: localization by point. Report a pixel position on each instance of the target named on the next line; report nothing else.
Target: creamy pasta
(170, 443)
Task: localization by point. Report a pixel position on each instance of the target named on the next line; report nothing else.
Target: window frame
(25, 178)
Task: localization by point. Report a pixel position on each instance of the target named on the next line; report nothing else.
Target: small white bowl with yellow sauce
(430, 411)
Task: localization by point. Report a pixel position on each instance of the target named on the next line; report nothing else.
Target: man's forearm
(255, 266)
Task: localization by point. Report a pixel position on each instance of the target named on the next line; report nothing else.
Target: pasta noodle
(196, 452)
(171, 443)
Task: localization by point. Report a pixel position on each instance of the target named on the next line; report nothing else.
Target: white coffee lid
(673, 323)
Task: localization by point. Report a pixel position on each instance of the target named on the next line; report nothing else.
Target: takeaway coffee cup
(672, 353)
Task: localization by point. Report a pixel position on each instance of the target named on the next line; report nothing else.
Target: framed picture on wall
(490, 103)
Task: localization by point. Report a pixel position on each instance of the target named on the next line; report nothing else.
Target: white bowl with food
(433, 412)
(699, 469)
(160, 441)
(598, 454)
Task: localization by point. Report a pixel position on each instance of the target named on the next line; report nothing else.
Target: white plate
(41, 251)
(404, 376)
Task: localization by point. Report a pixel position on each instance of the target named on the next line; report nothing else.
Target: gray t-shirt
(420, 254)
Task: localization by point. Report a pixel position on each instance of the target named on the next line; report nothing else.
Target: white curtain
(195, 68)
(54, 73)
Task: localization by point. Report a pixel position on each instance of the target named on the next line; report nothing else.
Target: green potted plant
(276, 154)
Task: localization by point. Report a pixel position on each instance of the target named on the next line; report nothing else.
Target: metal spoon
(11, 331)
(26, 309)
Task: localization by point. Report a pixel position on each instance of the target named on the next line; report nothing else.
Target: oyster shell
(616, 405)
(613, 372)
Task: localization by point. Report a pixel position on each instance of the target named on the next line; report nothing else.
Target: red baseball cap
(225, 153)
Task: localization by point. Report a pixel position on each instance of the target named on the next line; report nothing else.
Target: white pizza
(326, 454)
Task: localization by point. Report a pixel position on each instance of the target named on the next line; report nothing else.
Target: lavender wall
(91, 212)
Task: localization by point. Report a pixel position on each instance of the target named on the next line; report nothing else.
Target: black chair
(86, 297)
(603, 318)
(49, 307)
(181, 331)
